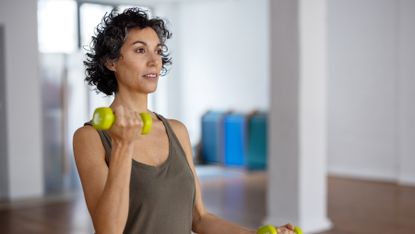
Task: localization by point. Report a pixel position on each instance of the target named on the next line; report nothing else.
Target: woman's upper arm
(90, 161)
(182, 134)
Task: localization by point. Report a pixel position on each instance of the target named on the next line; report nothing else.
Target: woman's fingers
(289, 226)
(127, 118)
(286, 229)
(132, 119)
(283, 230)
(127, 126)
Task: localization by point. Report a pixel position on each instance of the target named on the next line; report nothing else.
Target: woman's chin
(151, 90)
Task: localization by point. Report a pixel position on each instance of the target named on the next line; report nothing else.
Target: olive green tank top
(161, 197)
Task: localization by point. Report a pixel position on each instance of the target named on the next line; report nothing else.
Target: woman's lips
(151, 75)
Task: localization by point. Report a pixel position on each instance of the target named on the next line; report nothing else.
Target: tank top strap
(168, 127)
(106, 142)
(176, 144)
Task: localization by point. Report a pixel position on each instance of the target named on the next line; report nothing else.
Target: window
(57, 25)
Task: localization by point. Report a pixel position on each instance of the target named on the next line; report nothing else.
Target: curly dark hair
(110, 35)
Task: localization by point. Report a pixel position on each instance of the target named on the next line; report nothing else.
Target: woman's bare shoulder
(85, 133)
(181, 132)
(178, 126)
(86, 141)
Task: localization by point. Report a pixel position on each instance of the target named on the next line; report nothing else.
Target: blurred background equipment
(234, 139)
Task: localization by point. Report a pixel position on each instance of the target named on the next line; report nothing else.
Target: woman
(133, 183)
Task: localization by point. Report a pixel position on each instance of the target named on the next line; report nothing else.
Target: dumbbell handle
(269, 229)
(104, 118)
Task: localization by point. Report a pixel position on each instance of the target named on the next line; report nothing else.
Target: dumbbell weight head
(147, 122)
(298, 230)
(267, 229)
(103, 118)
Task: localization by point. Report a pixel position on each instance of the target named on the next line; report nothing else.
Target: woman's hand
(286, 229)
(127, 125)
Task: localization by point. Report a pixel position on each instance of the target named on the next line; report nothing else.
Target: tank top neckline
(165, 163)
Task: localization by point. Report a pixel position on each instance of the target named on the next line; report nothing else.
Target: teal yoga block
(212, 137)
(257, 146)
(235, 139)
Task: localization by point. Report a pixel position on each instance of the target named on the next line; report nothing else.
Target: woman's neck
(135, 102)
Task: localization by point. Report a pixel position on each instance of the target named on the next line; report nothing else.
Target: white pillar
(297, 190)
(23, 98)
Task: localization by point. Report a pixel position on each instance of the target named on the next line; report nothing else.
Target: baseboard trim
(362, 174)
(407, 180)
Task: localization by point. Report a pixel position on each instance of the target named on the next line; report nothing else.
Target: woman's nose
(154, 59)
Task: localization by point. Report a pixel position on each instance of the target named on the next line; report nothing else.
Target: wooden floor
(354, 206)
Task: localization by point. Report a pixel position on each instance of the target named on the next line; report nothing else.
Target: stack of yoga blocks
(234, 139)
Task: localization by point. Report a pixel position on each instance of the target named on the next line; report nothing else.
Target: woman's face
(138, 68)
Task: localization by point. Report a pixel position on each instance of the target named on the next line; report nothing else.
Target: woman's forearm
(111, 212)
(211, 224)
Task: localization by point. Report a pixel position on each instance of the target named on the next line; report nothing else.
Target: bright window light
(91, 15)
(57, 26)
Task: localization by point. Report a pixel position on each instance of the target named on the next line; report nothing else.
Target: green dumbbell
(269, 229)
(104, 118)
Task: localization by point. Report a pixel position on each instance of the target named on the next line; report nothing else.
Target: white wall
(23, 103)
(369, 106)
(168, 98)
(223, 58)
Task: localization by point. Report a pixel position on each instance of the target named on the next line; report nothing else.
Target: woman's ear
(110, 65)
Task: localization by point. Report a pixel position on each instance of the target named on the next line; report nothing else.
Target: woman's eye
(140, 50)
(159, 51)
